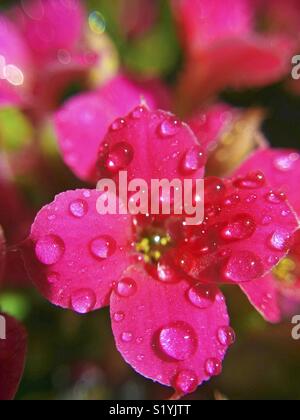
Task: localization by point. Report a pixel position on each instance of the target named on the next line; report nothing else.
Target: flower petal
(74, 254)
(15, 63)
(162, 332)
(50, 25)
(12, 357)
(264, 296)
(83, 121)
(282, 169)
(209, 124)
(248, 229)
(161, 146)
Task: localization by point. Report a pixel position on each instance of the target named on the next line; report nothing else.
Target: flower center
(153, 245)
(287, 271)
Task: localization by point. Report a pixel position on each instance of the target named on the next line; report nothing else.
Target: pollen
(286, 271)
(153, 247)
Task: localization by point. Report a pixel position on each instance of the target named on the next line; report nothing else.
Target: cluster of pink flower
(160, 277)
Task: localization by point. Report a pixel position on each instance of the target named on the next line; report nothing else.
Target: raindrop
(243, 266)
(126, 287)
(242, 227)
(49, 249)
(83, 301)
(97, 23)
(226, 336)
(213, 367)
(186, 382)
(178, 341)
(103, 247)
(78, 208)
(251, 181)
(170, 127)
(193, 160)
(202, 296)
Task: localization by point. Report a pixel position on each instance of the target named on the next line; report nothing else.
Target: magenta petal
(282, 169)
(209, 124)
(73, 254)
(12, 357)
(248, 229)
(161, 147)
(264, 296)
(83, 121)
(164, 335)
(15, 63)
(50, 25)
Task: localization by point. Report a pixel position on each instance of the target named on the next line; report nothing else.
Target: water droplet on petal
(170, 127)
(49, 249)
(118, 124)
(138, 112)
(193, 160)
(119, 316)
(202, 296)
(276, 197)
(178, 341)
(266, 220)
(214, 190)
(251, 181)
(213, 367)
(53, 278)
(226, 336)
(83, 301)
(280, 241)
(243, 266)
(103, 247)
(166, 273)
(186, 382)
(127, 337)
(126, 287)
(119, 157)
(242, 227)
(232, 200)
(78, 208)
(286, 163)
(140, 357)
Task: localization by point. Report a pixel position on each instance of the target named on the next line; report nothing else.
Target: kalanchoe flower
(224, 50)
(169, 320)
(12, 357)
(282, 168)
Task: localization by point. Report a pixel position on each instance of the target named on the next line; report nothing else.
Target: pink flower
(223, 49)
(282, 168)
(12, 357)
(168, 315)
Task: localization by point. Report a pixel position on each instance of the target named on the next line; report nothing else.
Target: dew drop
(118, 124)
(126, 287)
(226, 336)
(53, 278)
(193, 160)
(178, 341)
(169, 127)
(266, 220)
(251, 181)
(213, 367)
(280, 241)
(119, 316)
(214, 190)
(166, 273)
(286, 163)
(242, 227)
(103, 247)
(243, 266)
(49, 249)
(78, 208)
(140, 357)
(138, 112)
(127, 337)
(275, 197)
(202, 296)
(120, 156)
(186, 382)
(83, 301)
(97, 22)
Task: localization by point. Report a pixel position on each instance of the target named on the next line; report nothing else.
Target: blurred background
(72, 356)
